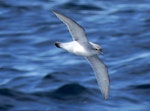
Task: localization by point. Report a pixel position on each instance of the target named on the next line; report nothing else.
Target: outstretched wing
(101, 74)
(76, 31)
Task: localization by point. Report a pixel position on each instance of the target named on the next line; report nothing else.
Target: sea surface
(37, 76)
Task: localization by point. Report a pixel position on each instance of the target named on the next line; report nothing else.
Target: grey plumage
(81, 46)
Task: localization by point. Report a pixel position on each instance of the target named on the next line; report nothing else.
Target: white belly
(79, 49)
(76, 48)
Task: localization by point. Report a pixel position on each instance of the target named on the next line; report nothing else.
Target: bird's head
(97, 48)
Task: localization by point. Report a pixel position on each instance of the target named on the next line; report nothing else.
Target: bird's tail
(57, 44)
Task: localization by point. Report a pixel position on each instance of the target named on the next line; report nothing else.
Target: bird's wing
(76, 31)
(101, 74)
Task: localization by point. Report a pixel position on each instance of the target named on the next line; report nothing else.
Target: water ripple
(33, 72)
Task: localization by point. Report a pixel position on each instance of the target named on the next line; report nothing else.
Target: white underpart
(81, 46)
(78, 49)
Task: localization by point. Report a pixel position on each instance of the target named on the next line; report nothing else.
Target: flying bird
(81, 46)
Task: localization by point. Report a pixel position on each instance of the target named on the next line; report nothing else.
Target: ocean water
(37, 76)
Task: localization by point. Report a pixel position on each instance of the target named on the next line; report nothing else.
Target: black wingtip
(55, 12)
(57, 44)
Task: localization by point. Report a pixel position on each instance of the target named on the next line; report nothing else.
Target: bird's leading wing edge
(101, 74)
(77, 32)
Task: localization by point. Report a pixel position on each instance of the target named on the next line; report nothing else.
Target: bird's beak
(101, 53)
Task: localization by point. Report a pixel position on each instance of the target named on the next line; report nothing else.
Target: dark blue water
(37, 76)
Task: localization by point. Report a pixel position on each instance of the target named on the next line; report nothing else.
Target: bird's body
(81, 46)
(81, 49)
